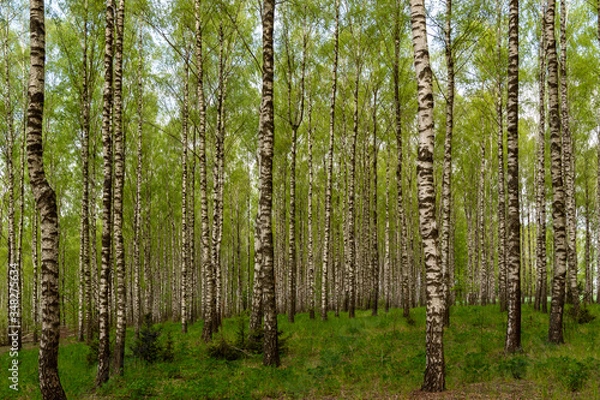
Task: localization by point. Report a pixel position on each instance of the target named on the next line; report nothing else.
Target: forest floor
(367, 357)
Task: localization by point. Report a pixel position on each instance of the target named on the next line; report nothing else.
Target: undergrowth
(365, 357)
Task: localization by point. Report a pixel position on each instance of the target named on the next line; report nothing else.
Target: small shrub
(585, 316)
(515, 366)
(573, 374)
(223, 350)
(148, 348)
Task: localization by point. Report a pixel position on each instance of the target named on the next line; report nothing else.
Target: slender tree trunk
(351, 214)
(568, 166)
(309, 217)
(447, 171)
(555, 334)
(85, 304)
(374, 230)
(482, 237)
(434, 380)
(184, 203)
(45, 199)
(327, 233)
(137, 218)
(119, 166)
(103, 292)
(402, 231)
(513, 255)
(294, 121)
(587, 297)
(541, 301)
(13, 269)
(387, 267)
(210, 309)
(265, 202)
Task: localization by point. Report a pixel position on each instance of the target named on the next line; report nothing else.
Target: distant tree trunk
(541, 292)
(45, 199)
(327, 233)
(447, 171)
(137, 218)
(402, 231)
(351, 214)
(14, 273)
(103, 293)
(481, 201)
(568, 160)
(387, 267)
(501, 181)
(85, 300)
(265, 202)
(218, 173)
(513, 255)
(309, 218)
(555, 334)
(119, 166)
(587, 297)
(434, 380)
(184, 202)
(374, 230)
(294, 119)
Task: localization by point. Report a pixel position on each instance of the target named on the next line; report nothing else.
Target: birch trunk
(107, 144)
(541, 301)
(555, 334)
(184, 203)
(326, 235)
(513, 255)
(45, 199)
(501, 181)
(568, 160)
(447, 171)
(265, 202)
(402, 232)
(434, 380)
(119, 166)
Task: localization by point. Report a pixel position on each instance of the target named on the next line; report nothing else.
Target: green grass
(367, 357)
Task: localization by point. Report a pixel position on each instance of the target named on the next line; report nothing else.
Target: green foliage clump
(148, 347)
(514, 366)
(573, 374)
(584, 316)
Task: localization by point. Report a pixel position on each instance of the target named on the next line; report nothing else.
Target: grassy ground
(364, 358)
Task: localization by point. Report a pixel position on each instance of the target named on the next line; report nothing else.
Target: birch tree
(434, 380)
(45, 199)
